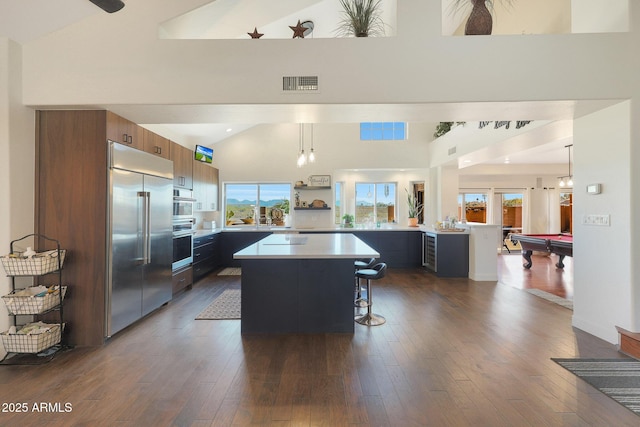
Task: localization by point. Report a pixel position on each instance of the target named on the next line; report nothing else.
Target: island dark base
(297, 296)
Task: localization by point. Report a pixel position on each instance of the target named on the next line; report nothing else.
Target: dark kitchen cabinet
(206, 257)
(446, 254)
(398, 249)
(233, 241)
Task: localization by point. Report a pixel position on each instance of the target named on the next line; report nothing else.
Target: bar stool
(361, 264)
(374, 273)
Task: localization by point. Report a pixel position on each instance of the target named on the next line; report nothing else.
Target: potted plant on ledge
(414, 209)
(348, 220)
(361, 18)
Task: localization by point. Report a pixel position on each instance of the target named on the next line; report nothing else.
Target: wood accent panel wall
(71, 206)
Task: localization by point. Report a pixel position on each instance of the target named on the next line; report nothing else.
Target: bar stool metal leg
(360, 301)
(369, 318)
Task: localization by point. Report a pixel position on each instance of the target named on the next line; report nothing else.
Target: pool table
(559, 244)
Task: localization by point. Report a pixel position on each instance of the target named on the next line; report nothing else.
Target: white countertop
(308, 246)
(335, 229)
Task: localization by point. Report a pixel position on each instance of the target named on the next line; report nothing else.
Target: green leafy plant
(414, 208)
(348, 220)
(444, 127)
(283, 206)
(360, 18)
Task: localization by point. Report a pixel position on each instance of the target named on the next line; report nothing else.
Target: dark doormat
(617, 378)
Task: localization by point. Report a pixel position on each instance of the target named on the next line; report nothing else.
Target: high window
(375, 202)
(378, 131)
(256, 203)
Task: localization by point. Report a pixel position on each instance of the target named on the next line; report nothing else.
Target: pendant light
(302, 157)
(567, 180)
(312, 155)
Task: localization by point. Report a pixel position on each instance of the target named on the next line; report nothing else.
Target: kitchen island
(300, 283)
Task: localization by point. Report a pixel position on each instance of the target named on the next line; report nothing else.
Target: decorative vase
(480, 21)
(413, 222)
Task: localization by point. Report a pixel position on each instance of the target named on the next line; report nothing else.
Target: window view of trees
(375, 202)
(512, 212)
(472, 207)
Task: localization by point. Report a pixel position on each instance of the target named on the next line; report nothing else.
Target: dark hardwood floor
(543, 274)
(453, 353)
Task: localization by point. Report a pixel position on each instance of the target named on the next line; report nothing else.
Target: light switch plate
(603, 220)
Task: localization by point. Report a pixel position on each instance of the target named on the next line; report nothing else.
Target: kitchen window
(251, 204)
(339, 201)
(376, 202)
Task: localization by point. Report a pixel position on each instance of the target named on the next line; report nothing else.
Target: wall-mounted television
(204, 154)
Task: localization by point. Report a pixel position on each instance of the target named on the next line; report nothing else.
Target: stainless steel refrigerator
(139, 235)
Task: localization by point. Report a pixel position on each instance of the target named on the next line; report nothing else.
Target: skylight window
(383, 131)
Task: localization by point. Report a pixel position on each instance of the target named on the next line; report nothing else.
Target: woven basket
(39, 264)
(33, 343)
(31, 304)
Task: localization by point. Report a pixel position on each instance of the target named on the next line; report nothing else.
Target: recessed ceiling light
(506, 160)
(229, 130)
(467, 161)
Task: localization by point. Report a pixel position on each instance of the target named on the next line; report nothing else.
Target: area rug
(225, 306)
(231, 271)
(617, 378)
(551, 297)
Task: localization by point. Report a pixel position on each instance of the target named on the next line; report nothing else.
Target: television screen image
(204, 154)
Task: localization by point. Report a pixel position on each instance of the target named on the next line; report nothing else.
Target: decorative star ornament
(298, 30)
(255, 34)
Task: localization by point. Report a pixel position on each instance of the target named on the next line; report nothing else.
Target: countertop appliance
(140, 230)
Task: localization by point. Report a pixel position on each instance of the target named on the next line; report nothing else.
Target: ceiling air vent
(452, 151)
(299, 83)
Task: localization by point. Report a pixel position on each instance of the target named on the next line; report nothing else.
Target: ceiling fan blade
(109, 5)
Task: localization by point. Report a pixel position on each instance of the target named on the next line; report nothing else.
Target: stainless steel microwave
(183, 204)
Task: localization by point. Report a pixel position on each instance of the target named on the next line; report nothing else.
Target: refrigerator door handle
(147, 228)
(144, 217)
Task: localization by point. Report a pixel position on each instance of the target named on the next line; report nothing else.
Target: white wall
(268, 153)
(606, 270)
(599, 16)
(117, 58)
(522, 17)
(16, 161)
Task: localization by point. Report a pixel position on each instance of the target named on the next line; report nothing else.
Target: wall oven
(183, 230)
